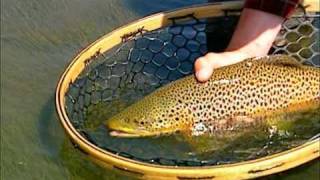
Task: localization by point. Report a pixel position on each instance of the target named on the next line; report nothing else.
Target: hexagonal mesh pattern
(299, 38)
(152, 59)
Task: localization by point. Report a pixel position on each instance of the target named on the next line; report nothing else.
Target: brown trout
(236, 96)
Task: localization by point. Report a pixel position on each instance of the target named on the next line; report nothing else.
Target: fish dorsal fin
(283, 60)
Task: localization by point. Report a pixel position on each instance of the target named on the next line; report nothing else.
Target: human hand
(253, 37)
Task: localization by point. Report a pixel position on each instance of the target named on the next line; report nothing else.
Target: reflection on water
(38, 39)
(81, 167)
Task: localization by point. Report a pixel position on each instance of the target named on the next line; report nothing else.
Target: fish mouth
(137, 134)
(119, 133)
(126, 132)
(119, 129)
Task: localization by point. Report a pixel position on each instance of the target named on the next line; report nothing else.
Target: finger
(203, 69)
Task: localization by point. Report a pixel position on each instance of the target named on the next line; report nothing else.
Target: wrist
(255, 33)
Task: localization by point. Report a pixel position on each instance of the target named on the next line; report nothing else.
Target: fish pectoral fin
(283, 60)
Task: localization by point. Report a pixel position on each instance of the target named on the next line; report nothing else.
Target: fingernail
(202, 75)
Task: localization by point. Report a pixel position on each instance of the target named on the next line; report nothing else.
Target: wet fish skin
(236, 96)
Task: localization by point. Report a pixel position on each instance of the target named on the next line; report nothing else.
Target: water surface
(38, 39)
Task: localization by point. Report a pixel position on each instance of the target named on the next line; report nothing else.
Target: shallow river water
(38, 39)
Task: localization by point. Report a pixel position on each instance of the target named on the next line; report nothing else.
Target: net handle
(312, 5)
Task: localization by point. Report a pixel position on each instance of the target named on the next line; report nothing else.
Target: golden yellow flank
(236, 96)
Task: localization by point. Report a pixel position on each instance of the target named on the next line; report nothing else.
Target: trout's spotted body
(234, 93)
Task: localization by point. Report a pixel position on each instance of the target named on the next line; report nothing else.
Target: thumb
(203, 69)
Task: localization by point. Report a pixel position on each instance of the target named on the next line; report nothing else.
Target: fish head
(146, 119)
(128, 124)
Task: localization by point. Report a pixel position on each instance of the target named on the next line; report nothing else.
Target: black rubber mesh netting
(148, 60)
